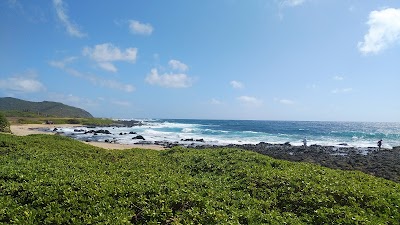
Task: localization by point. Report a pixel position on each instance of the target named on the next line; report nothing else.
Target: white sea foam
(157, 130)
(187, 130)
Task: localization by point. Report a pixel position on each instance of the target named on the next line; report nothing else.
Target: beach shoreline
(29, 129)
(382, 163)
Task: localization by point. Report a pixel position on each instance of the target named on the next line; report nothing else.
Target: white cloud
(121, 103)
(25, 83)
(215, 102)
(343, 90)
(177, 65)
(384, 31)
(108, 66)
(236, 84)
(292, 3)
(338, 78)
(140, 28)
(249, 100)
(73, 100)
(63, 63)
(72, 29)
(95, 80)
(105, 54)
(169, 80)
(284, 101)
(111, 84)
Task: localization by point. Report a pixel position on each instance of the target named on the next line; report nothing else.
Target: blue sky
(225, 59)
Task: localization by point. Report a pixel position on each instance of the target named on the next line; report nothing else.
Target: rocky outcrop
(191, 139)
(140, 137)
(98, 132)
(127, 123)
(79, 130)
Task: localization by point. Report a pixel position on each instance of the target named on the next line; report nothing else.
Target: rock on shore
(384, 163)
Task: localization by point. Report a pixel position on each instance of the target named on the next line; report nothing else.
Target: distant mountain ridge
(44, 108)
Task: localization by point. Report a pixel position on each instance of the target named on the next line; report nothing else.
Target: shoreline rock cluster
(383, 163)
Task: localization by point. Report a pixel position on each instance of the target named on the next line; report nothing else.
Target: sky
(308, 60)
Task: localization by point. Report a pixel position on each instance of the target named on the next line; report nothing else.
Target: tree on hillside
(4, 124)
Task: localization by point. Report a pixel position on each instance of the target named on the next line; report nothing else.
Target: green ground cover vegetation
(4, 124)
(49, 179)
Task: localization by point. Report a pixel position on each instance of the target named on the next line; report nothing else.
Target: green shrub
(73, 121)
(4, 124)
(29, 121)
(49, 179)
(97, 122)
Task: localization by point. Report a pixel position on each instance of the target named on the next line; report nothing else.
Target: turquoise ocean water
(222, 132)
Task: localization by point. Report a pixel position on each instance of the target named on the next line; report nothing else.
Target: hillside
(49, 179)
(44, 108)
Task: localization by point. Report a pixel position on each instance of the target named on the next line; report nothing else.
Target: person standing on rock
(379, 144)
(305, 142)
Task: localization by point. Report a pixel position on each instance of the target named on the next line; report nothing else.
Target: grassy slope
(55, 180)
(43, 108)
(55, 120)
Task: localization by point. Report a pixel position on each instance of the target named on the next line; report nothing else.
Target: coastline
(383, 163)
(28, 129)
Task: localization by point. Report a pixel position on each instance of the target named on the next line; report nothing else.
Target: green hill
(49, 179)
(45, 108)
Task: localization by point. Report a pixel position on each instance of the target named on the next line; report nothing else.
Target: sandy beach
(28, 129)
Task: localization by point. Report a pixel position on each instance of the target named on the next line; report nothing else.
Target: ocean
(223, 132)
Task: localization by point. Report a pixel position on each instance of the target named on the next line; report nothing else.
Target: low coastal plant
(29, 121)
(97, 121)
(4, 124)
(48, 179)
